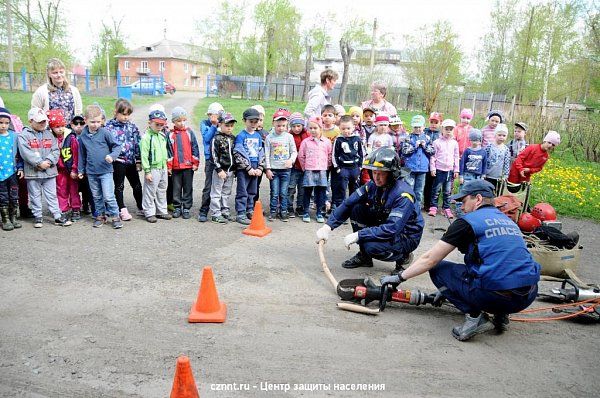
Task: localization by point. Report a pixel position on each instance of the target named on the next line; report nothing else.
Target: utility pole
(107, 65)
(373, 38)
(11, 54)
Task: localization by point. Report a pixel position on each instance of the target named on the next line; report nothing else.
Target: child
(67, 187)
(97, 151)
(461, 131)
(330, 130)
(397, 132)
(315, 159)
(39, 150)
(355, 112)
(417, 150)
(518, 144)
(368, 126)
(532, 159)
(280, 155)
(346, 157)
(208, 128)
(11, 170)
(433, 132)
(381, 137)
(295, 187)
(87, 201)
(128, 165)
(498, 158)
(339, 112)
(488, 133)
(444, 164)
(154, 156)
(249, 158)
(183, 163)
(473, 162)
(222, 179)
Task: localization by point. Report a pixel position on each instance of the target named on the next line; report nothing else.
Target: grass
(19, 102)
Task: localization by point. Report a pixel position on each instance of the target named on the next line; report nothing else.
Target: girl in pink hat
(532, 159)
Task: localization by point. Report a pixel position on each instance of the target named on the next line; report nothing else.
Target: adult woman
(57, 92)
(378, 102)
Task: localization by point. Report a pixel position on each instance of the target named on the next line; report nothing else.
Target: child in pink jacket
(444, 165)
(315, 158)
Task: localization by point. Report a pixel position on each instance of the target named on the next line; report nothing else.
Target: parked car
(169, 88)
(151, 87)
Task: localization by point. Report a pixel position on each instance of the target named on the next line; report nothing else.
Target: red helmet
(528, 223)
(544, 212)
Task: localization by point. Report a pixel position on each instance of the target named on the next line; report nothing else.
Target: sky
(144, 21)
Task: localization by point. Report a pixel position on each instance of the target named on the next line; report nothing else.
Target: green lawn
(19, 102)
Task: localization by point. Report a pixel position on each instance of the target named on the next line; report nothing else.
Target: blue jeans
(457, 286)
(418, 184)
(295, 187)
(103, 192)
(347, 178)
(245, 192)
(443, 181)
(279, 189)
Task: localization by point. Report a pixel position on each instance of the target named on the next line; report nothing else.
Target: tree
(315, 39)
(111, 39)
(355, 34)
(434, 60)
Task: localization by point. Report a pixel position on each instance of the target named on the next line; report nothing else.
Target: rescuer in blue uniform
(386, 224)
(499, 276)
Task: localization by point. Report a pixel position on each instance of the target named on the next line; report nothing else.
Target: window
(162, 66)
(126, 65)
(126, 79)
(144, 65)
(186, 67)
(194, 71)
(186, 82)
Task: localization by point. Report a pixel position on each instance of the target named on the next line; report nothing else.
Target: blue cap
(157, 116)
(474, 187)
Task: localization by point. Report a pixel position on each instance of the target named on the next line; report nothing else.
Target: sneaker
(170, 207)
(164, 216)
(38, 222)
(472, 327)
(306, 218)
(186, 214)
(243, 219)
(291, 213)
(272, 217)
(124, 214)
(62, 221)
(86, 210)
(285, 216)
(76, 215)
(250, 214)
(227, 216)
(98, 222)
(448, 213)
(359, 260)
(219, 220)
(432, 211)
(151, 219)
(299, 212)
(202, 217)
(320, 218)
(140, 213)
(116, 223)
(501, 322)
(177, 213)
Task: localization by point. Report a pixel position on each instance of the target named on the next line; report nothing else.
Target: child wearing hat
(417, 151)
(97, 152)
(355, 112)
(295, 187)
(154, 155)
(498, 158)
(11, 169)
(222, 180)
(433, 132)
(443, 165)
(208, 129)
(533, 158)
(368, 124)
(39, 150)
(183, 162)
(381, 137)
(67, 186)
(518, 143)
(488, 133)
(128, 163)
(473, 163)
(461, 131)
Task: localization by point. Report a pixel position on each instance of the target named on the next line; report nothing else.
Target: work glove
(350, 239)
(392, 280)
(323, 233)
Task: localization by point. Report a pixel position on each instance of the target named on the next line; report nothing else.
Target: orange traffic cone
(257, 226)
(207, 307)
(184, 385)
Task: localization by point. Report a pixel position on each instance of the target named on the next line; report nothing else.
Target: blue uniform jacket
(392, 208)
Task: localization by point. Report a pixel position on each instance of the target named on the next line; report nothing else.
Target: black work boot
(401, 263)
(501, 322)
(6, 224)
(13, 214)
(359, 260)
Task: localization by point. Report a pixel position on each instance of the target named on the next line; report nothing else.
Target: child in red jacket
(184, 160)
(532, 159)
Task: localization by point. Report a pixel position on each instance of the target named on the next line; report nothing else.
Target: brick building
(182, 65)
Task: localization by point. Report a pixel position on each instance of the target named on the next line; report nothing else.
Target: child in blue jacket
(416, 152)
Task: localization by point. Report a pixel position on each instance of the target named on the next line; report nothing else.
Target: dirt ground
(103, 313)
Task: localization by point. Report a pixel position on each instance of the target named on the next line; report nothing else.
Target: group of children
(310, 163)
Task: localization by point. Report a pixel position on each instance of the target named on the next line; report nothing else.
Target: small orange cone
(257, 226)
(184, 385)
(207, 307)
